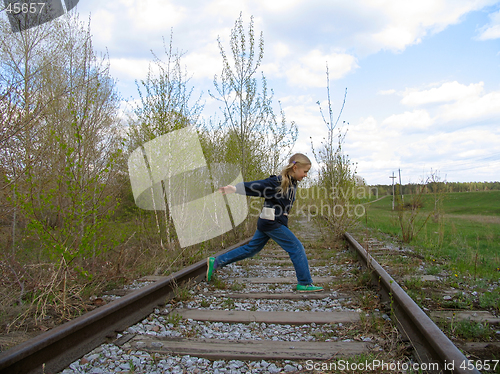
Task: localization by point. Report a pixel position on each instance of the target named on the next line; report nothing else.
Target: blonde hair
(298, 159)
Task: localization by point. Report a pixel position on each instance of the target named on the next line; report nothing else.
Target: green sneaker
(210, 267)
(308, 288)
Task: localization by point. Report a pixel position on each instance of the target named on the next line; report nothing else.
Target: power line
(472, 166)
(471, 163)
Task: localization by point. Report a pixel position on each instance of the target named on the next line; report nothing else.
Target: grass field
(463, 239)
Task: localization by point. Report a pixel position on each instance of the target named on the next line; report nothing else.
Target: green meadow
(462, 236)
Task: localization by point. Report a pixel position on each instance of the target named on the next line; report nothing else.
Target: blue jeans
(285, 238)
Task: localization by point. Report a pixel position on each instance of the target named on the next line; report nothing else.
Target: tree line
(431, 187)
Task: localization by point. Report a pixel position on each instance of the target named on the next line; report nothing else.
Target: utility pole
(400, 187)
(392, 189)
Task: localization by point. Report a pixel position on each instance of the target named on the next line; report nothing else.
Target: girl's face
(300, 172)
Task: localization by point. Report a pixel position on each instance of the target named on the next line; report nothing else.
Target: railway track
(249, 319)
(454, 304)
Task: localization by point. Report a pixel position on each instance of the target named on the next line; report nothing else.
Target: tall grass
(465, 237)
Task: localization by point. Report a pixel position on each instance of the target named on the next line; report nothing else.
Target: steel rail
(431, 344)
(57, 348)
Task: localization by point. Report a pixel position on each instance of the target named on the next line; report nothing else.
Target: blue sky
(423, 78)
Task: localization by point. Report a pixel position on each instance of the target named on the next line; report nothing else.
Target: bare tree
(165, 106)
(262, 138)
(165, 98)
(337, 174)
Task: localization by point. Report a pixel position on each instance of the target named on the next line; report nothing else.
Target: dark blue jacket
(268, 189)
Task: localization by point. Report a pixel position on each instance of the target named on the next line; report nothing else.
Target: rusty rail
(55, 349)
(430, 343)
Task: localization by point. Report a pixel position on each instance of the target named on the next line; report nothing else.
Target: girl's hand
(227, 189)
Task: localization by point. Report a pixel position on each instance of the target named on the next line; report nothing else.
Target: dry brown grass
(475, 218)
(35, 297)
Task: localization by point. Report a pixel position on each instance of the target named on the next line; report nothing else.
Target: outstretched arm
(227, 189)
(261, 188)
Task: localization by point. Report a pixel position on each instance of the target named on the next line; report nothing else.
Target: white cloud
(104, 20)
(449, 91)
(453, 154)
(371, 140)
(406, 23)
(491, 30)
(278, 5)
(361, 27)
(387, 92)
(204, 63)
(305, 112)
(453, 102)
(373, 146)
(475, 108)
(224, 12)
(311, 69)
(429, 137)
(280, 50)
(129, 68)
(458, 147)
(271, 69)
(132, 17)
(154, 15)
(408, 121)
(396, 37)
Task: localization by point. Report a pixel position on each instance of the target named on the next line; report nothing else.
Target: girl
(279, 194)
